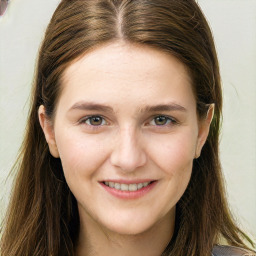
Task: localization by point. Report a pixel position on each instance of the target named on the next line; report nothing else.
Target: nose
(128, 153)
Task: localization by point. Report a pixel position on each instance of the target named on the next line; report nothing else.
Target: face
(126, 131)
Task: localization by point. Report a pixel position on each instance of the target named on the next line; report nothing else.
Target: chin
(130, 226)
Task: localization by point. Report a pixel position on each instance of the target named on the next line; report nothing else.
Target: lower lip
(129, 194)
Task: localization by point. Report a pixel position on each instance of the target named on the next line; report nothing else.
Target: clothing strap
(224, 250)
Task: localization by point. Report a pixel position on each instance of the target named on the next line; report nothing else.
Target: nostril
(3, 6)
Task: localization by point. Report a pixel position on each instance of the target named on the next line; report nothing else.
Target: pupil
(160, 120)
(96, 120)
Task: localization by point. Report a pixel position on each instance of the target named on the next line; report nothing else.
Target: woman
(121, 152)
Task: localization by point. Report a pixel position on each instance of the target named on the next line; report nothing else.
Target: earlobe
(48, 130)
(204, 128)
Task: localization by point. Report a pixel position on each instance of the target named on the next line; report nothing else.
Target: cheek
(80, 154)
(175, 153)
(175, 160)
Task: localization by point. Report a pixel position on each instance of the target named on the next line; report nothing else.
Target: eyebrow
(164, 107)
(81, 105)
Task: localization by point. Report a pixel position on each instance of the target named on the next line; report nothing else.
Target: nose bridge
(128, 153)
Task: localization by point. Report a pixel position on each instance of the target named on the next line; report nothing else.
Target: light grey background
(234, 26)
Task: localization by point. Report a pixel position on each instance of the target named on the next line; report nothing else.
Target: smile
(126, 187)
(133, 190)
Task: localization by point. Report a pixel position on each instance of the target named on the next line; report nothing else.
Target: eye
(162, 120)
(94, 121)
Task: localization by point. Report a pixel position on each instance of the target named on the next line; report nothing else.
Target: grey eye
(95, 121)
(161, 120)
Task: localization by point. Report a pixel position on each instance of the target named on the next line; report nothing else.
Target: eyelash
(84, 120)
(170, 121)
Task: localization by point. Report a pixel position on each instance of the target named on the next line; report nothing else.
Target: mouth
(127, 187)
(128, 190)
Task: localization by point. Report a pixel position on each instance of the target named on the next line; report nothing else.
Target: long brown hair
(43, 218)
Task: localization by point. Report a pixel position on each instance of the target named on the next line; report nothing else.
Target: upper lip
(122, 181)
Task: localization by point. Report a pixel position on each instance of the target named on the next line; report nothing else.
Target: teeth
(126, 187)
(117, 186)
(140, 185)
(133, 187)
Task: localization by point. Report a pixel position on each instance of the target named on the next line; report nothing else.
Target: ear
(204, 127)
(48, 130)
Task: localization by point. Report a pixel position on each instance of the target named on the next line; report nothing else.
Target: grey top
(224, 250)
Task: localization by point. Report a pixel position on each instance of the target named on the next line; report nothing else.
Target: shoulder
(224, 250)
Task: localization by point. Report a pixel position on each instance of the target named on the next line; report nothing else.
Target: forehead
(121, 58)
(125, 72)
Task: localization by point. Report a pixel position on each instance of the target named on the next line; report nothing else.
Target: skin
(128, 142)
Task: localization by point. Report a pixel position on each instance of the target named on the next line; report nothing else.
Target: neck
(96, 240)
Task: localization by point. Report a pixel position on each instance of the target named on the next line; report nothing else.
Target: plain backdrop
(233, 23)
